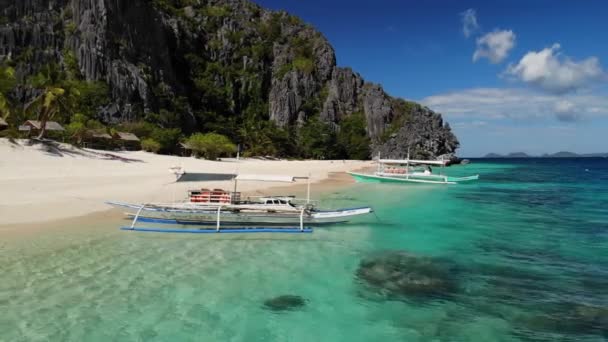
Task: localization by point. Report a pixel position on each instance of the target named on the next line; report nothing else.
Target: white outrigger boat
(409, 171)
(223, 211)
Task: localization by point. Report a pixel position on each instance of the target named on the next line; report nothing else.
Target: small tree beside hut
(210, 145)
(150, 145)
(7, 82)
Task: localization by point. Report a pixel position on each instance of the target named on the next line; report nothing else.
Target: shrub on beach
(210, 145)
(167, 138)
(150, 145)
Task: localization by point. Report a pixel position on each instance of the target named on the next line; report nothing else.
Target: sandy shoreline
(40, 184)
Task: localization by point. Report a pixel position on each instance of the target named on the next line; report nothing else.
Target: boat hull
(230, 218)
(222, 231)
(367, 178)
(463, 179)
(432, 179)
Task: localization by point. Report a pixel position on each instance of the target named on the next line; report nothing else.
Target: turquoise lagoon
(527, 246)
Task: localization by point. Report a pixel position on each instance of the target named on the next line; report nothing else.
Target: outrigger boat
(411, 171)
(223, 211)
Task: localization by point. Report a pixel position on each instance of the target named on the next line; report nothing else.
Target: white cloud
(546, 70)
(563, 106)
(518, 104)
(595, 110)
(469, 22)
(566, 111)
(494, 46)
(470, 124)
(504, 120)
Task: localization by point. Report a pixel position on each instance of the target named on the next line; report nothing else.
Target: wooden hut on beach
(32, 127)
(3, 124)
(100, 135)
(185, 149)
(128, 141)
(98, 139)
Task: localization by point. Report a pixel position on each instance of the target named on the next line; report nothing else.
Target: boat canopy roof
(183, 176)
(266, 178)
(203, 176)
(412, 161)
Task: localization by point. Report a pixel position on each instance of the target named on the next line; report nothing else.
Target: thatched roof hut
(98, 134)
(36, 125)
(186, 149)
(99, 138)
(129, 141)
(125, 136)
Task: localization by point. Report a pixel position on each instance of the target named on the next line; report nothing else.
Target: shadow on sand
(57, 149)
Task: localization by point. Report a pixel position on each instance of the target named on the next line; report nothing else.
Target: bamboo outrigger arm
(137, 216)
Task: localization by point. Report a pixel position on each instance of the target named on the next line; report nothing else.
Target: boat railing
(218, 225)
(401, 171)
(289, 198)
(305, 201)
(273, 196)
(211, 207)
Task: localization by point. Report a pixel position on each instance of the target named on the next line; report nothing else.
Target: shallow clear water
(527, 246)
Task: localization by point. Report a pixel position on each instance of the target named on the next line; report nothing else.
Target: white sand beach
(39, 184)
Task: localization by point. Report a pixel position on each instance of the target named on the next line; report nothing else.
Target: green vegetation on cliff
(168, 69)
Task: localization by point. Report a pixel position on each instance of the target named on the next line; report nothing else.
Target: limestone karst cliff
(212, 64)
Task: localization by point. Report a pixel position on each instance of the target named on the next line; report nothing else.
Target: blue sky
(525, 76)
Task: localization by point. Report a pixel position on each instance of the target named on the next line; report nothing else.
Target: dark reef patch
(569, 318)
(284, 303)
(400, 275)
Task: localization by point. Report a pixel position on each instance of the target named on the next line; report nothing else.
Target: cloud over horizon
(494, 46)
(469, 22)
(548, 70)
(566, 111)
(516, 104)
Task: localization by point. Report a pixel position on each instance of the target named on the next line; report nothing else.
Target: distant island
(517, 155)
(561, 154)
(510, 155)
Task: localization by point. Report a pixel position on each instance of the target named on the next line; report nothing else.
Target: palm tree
(48, 103)
(5, 109)
(256, 137)
(52, 97)
(7, 82)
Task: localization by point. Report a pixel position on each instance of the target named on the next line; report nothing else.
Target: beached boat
(409, 171)
(219, 210)
(238, 214)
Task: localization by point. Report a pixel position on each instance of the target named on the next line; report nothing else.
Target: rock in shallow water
(570, 318)
(400, 274)
(284, 303)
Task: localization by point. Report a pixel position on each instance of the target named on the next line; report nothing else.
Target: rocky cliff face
(225, 57)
